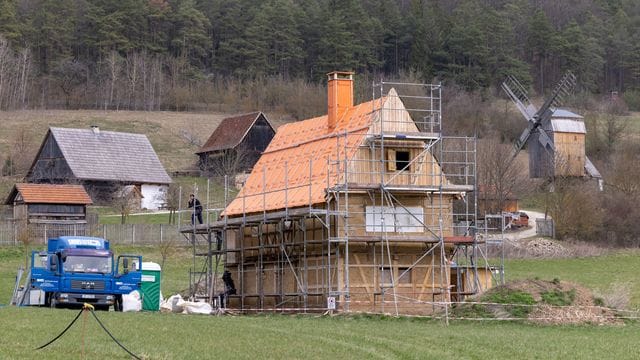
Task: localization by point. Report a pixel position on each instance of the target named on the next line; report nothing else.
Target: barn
(351, 211)
(236, 144)
(103, 162)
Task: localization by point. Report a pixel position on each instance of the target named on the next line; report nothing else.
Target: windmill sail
(518, 95)
(536, 117)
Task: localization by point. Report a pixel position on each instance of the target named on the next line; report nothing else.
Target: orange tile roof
(303, 149)
(53, 194)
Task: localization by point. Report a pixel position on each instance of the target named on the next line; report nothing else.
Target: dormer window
(398, 160)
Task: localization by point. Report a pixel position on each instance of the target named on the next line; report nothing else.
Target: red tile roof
(230, 132)
(51, 194)
(302, 149)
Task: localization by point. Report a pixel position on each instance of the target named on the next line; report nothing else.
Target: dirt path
(528, 232)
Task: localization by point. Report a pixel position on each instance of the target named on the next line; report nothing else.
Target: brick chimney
(340, 95)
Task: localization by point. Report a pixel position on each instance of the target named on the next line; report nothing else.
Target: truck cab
(80, 269)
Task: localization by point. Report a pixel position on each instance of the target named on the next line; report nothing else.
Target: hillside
(174, 135)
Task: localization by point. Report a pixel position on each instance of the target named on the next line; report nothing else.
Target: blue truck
(81, 269)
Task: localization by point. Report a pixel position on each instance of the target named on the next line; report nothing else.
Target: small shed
(52, 209)
(236, 144)
(492, 201)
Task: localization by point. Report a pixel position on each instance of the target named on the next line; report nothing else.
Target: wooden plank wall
(570, 154)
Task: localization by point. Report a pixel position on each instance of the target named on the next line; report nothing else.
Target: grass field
(170, 336)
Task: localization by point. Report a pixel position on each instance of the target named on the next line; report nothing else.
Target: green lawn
(171, 336)
(155, 218)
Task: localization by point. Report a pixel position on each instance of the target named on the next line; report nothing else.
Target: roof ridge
(101, 131)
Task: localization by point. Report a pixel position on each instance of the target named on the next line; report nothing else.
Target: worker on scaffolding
(197, 209)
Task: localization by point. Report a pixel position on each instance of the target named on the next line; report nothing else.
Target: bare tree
(229, 162)
(499, 177)
(25, 69)
(26, 238)
(69, 73)
(114, 65)
(133, 64)
(167, 248)
(5, 53)
(125, 201)
(172, 200)
(575, 208)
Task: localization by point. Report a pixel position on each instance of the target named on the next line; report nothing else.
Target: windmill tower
(555, 137)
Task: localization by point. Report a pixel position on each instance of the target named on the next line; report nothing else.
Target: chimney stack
(340, 95)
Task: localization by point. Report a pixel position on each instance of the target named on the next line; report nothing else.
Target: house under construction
(368, 209)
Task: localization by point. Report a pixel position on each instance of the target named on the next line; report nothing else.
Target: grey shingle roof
(109, 155)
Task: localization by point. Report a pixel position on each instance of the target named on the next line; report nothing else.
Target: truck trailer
(80, 269)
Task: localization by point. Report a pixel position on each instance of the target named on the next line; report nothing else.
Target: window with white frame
(394, 219)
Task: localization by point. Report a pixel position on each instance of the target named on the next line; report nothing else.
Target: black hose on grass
(63, 331)
(88, 307)
(112, 337)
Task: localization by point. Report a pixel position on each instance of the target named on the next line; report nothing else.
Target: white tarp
(177, 304)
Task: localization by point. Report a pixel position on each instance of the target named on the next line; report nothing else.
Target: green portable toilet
(150, 286)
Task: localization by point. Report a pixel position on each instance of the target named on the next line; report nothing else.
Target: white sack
(131, 301)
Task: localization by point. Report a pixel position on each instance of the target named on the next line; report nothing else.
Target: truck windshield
(87, 264)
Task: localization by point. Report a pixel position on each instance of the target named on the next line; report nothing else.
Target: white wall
(153, 196)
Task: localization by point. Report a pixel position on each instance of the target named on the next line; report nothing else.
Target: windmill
(541, 133)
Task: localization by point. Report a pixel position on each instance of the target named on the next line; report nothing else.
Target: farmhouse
(236, 144)
(351, 211)
(52, 209)
(103, 162)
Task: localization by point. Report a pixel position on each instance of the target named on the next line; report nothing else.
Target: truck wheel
(117, 304)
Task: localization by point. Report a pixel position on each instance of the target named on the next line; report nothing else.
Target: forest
(231, 56)
(190, 54)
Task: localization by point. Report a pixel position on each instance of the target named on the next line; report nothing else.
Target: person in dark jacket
(195, 203)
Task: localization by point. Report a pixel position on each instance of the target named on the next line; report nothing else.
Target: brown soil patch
(582, 310)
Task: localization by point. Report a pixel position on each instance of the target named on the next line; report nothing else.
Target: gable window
(402, 160)
(398, 160)
(394, 219)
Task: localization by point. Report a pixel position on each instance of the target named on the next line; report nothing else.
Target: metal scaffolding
(397, 232)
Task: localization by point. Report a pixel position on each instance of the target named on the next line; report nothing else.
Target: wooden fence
(130, 234)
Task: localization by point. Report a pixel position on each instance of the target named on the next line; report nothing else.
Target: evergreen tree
(468, 46)
(9, 26)
(49, 26)
(346, 42)
(191, 28)
(540, 43)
